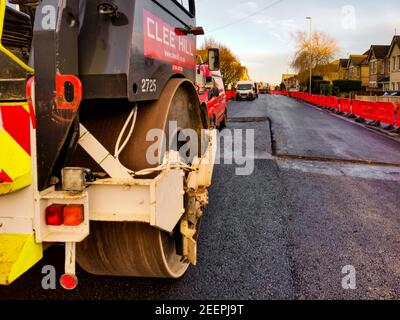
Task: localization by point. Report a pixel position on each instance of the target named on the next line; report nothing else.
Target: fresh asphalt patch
(310, 133)
(246, 140)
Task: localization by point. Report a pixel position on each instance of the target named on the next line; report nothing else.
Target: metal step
(12, 89)
(17, 32)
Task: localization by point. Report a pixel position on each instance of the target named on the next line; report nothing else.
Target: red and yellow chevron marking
(15, 147)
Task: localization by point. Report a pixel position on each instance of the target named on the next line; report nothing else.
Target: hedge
(348, 85)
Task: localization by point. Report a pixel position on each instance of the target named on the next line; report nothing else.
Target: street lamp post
(311, 43)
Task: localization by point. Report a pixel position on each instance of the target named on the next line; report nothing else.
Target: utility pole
(311, 44)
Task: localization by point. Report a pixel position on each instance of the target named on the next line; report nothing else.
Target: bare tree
(324, 49)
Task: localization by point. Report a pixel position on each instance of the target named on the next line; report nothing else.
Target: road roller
(105, 147)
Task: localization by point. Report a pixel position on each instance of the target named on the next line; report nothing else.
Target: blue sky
(264, 43)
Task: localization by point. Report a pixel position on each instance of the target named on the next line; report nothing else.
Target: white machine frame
(160, 202)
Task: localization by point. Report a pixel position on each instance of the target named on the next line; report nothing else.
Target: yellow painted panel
(18, 253)
(15, 162)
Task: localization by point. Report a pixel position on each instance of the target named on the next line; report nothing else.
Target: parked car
(211, 90)
(246, 90)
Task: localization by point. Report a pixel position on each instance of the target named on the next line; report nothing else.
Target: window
(394, 64)
(398, 63)
(398, 86)
(243, 87)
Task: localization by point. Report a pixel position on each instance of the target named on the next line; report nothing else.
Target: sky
(260, 32)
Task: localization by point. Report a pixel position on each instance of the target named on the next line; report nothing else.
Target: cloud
(369, 29)
(281, 29)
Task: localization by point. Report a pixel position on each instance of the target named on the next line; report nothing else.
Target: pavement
(324, 197)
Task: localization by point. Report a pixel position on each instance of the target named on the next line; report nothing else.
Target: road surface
(287, 230)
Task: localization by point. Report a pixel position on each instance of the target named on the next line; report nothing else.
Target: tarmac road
(302, 130)
(287, 230)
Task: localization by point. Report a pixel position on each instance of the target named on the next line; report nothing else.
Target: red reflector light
(73, 215)
(68, 281)
(54, 215)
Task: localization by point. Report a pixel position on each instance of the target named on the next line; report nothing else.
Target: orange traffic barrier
(345, 105)
(384, 112)
(398, 115)
(335, 103)
(376, 111)
(230, 94)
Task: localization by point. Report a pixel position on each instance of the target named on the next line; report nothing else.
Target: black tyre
(223, 123)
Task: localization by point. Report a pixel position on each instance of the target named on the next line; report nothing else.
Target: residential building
(378, 72)
(359, 69)
(343, 69)
(394, 64)
(386, 79)
(329, 72)
(291, 81)
(286, 76)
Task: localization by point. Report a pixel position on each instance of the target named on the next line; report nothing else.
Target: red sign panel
(16, 121)
(163, 42)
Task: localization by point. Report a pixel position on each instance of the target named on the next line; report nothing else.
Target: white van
(246, 90)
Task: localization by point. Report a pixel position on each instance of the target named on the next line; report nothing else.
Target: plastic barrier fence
(230, 94)
(385, 112)
(398, 116)
(345, 105)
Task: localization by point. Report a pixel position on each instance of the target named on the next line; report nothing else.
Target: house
(359, 69)
(329, 72)
(287, 76)
(291, 81)
(287, 79)
(378, 71)
(343, 70)
(394, 64)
